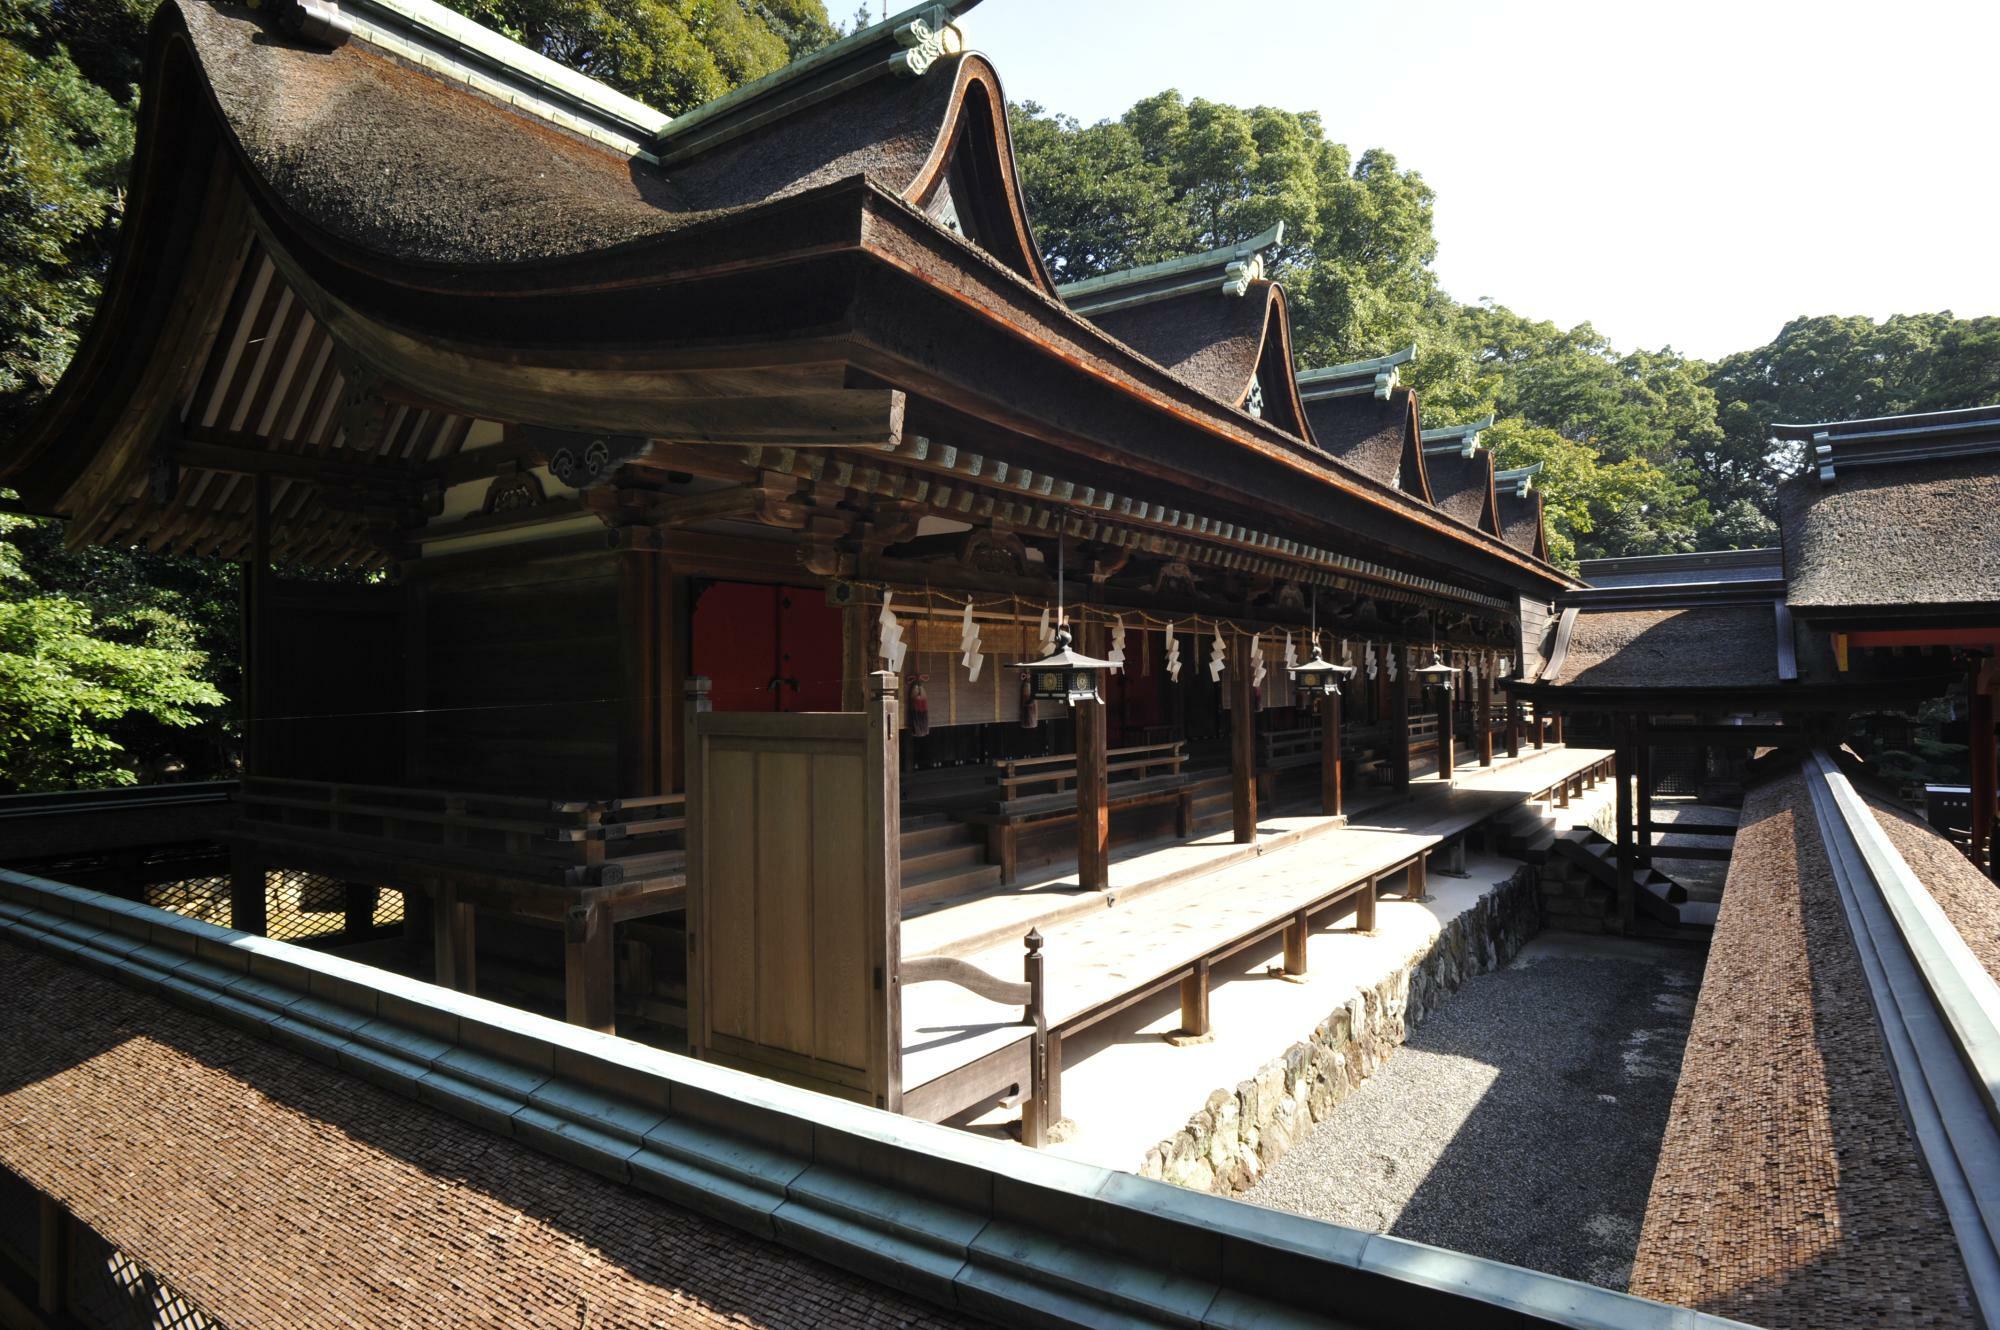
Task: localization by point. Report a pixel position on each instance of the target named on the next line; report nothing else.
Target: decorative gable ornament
(926, 39)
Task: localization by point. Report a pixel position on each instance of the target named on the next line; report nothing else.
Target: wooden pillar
(1399, 734)
(854, 645)
(1541, 727)
(1329, 754)
(1093, 817)
(1626, 859)
(256, 614)
(358, 901)
(1642, 770)
(1447, 750)
(590, 968)
(248, 900)
(52, 1272)
(1297, 934)
(1416, 885)
(1983, 761)
(1513, 726)
(1242, 741)
(676, 618)
(1364, 909)
(1483, 717)
(1194, 1000)
(454, 941)
(1558, 721)
(641, 643)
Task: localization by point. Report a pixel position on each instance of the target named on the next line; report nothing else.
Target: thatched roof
(1707, 646)
(1463, 487)
(1219, 343)
(1921, 534)
(1521, 522)
(1376, 436)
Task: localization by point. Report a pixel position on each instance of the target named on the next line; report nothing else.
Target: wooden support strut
(455, 939)
(1399, 733)
(1093, 819)
(248, 899)
(1626, 861)
(1297, 934)
(590, 968)
(1643, 771)
(1242, 742)
(1194, 1000)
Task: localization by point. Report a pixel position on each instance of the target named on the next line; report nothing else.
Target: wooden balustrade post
(590, 968)
(1194, 1001)
(1447, 741)
(1329, 755)
(1297, 934)
(1513, 726)
(1041, 1108)
(1242, 741)
(1559, 730)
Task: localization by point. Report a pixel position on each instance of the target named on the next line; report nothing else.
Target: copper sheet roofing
(1919, 534)
(273, 1191)
(1789, 1192)
(1696, 646)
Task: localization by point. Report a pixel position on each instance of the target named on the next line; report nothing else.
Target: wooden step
(936, 836)
(949, 882)
(920, 821)
(947, 858)
(1536, 851)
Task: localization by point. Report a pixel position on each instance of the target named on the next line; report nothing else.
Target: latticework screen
(298, 905)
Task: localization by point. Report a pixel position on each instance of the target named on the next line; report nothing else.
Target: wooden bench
(1135, 776)
(1279, 751)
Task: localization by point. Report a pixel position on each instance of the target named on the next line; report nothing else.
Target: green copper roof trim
(1378, 377)
(905, 44)
(435, 38)
(1456, 438)
(1229, 270)
(1519, 479)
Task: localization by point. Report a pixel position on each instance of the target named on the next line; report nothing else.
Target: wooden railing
(580, 842)
(1021, 776)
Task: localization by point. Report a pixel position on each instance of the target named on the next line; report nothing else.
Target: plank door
(793, 894)
(767, 648)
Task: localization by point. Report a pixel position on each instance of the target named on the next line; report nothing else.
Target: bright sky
(1692, 173)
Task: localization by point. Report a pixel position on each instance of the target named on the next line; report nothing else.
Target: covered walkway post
(1329, 754)
(1093, 816)
(1483, 715)
(1242, 741)
(1399, 733)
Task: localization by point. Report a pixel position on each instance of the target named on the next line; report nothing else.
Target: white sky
(1683, 173)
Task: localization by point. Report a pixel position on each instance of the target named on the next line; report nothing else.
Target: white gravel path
(1520, 1122)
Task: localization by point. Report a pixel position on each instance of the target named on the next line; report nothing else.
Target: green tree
(672, 55)
(1173, 176)
(74, 682)
(1832, 367)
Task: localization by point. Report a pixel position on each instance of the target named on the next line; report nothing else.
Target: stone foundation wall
(1239, 1133)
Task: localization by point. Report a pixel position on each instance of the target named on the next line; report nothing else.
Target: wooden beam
(590, 969)
(1399, 731)
(1626, 860)
(52, 1269)
(1297, 934)
(1643, 770)
(1447, 740)
(1242, 742)
(239, 454)
(248, 902)
(1483, 717)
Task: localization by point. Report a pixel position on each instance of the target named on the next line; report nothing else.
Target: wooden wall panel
(792, 891)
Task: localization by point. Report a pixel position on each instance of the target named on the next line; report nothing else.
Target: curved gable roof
(1221, 344)
(1376, 436)
(1521, 522)
(414, 167)
(1463, 487)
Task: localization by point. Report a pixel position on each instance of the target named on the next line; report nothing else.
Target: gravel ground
(1521, 1122)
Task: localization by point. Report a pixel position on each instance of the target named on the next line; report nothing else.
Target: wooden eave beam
(252, 455)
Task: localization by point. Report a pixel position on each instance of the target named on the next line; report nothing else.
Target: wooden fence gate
(794, 882)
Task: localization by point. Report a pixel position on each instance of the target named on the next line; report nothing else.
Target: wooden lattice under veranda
(299, 906)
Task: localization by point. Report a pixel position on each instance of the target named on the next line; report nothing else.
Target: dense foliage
(1644, 452)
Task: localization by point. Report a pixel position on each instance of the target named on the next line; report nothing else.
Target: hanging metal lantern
(1063, 675)
(1319, 675)
(1437, 674)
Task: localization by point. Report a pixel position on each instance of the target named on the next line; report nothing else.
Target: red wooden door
(767, 648)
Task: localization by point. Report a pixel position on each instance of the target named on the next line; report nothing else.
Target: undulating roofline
(448, 44)
(1379, 377)
(1890, 440)
(1463, 439)
(1517, 481)
(1230, 270)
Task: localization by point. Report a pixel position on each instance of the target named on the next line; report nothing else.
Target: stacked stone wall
(1240, 1133)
